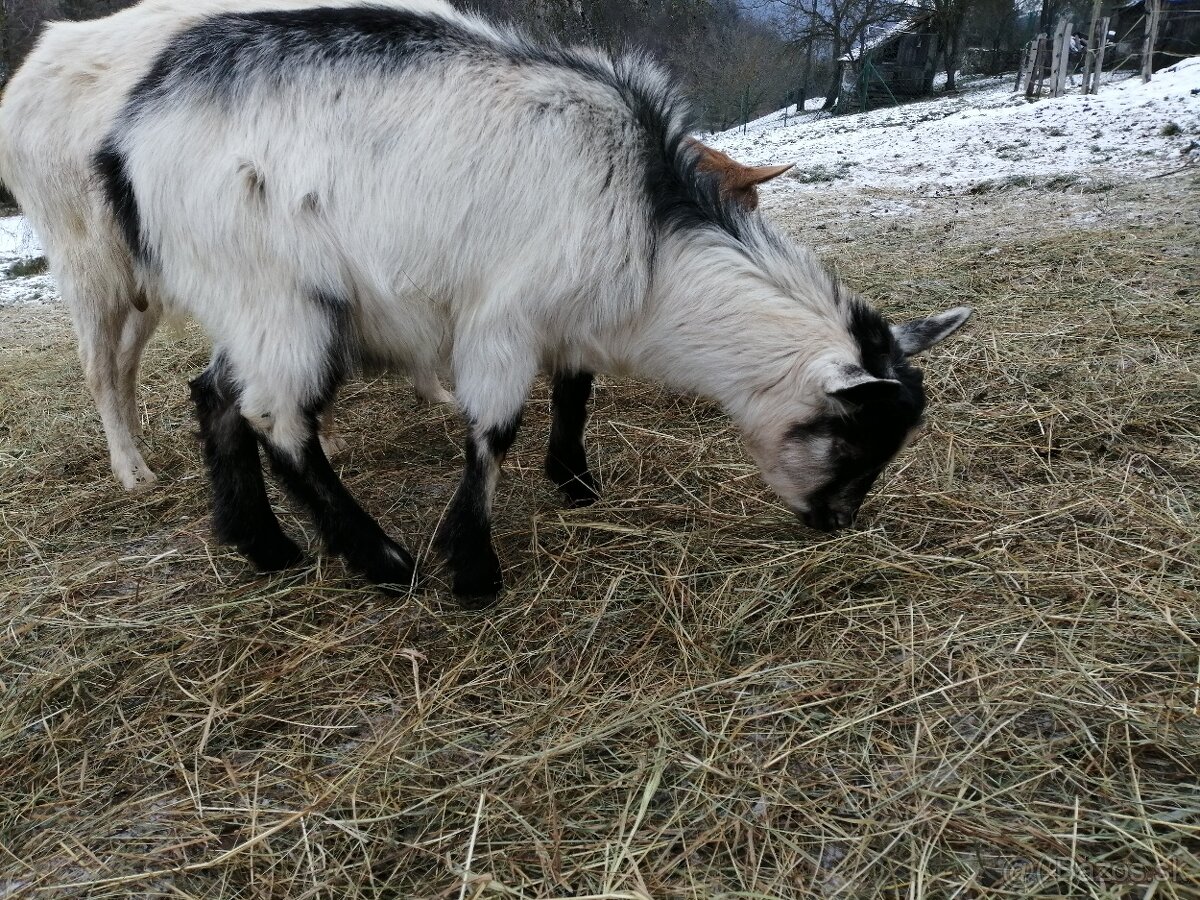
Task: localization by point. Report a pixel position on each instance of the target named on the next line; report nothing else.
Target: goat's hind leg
(285, 407)
(102, 322)
(242, 514)
(345, 527)
(139, 326)
(492, 398)
(566, 459)
(285, 387)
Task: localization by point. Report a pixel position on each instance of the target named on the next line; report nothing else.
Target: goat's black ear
(860, 387)
(919, 335)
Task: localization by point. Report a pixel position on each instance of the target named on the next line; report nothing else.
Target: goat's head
(823, 461)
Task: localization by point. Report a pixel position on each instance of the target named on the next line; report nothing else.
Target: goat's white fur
(486, 270)
(473, 232)
(481, 203)
(56, 111)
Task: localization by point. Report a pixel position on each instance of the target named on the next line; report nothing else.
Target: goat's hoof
(272, 552)
(333, 444)
(439, 397)
(579, 489)
(390, 566)
(479, 586)
(473, 598)
(136, 478)
(430, 390)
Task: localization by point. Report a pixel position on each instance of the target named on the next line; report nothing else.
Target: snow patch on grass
(19, 245)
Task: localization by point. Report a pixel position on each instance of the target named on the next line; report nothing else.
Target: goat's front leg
(465, 536)
(492, 398)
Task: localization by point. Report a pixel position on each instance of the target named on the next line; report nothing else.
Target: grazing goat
(330, 189)
(57, 110)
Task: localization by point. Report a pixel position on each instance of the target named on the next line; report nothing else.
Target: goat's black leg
(344, 526)
(242, 514)
(465, 536)
(566, 459)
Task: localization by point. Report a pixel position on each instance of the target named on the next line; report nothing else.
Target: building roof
(888, 33)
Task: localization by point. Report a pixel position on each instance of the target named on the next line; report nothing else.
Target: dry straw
(991, 688)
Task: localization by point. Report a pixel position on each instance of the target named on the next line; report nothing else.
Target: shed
(896, 63)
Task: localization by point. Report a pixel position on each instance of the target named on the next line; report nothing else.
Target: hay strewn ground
(992, 688)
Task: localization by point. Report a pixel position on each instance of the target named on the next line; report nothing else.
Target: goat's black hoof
(272, 552)
(478, 586)
(388, 565)
(579, 488)
(580, 491)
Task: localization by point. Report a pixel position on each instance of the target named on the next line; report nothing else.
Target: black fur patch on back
(228, 52)
(109, 164)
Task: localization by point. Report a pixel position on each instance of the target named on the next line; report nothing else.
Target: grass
(990, 688)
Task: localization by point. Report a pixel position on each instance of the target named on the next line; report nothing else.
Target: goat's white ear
(919, 335)
(856, 385)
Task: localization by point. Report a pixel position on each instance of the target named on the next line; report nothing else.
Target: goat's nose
(819, 520)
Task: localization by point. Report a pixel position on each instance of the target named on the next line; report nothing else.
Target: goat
(57, 109)
(332, 189)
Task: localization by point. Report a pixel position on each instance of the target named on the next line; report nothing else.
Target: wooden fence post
(1055, 58)
(1026, 65)
(1061, 57)
(1152, 7)
(1089, 58)
(1037, 70)
(1099, 67)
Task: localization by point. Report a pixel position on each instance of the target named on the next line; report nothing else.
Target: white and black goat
(328, 189)
(57, 110)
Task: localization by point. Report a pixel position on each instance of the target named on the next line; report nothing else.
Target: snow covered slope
(990, 134)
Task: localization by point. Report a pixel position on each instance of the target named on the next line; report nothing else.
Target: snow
(17, 240)
(986, 135)
(17, 243)
(779, 117)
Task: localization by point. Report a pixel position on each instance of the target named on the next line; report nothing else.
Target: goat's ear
(858, 386)
(755, 175)
(919, 335)
(738, 182)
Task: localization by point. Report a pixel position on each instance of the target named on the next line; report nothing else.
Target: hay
(991, 688)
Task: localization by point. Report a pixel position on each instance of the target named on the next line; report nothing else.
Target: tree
(733, 65)
(995, 26)
(21, 21)
(949, 18)
(839, 26)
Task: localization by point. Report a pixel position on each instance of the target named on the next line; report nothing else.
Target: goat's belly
(403, 336)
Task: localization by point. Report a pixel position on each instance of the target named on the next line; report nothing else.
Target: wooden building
(892, 66)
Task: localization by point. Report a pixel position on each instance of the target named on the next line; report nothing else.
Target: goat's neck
(726, 334)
